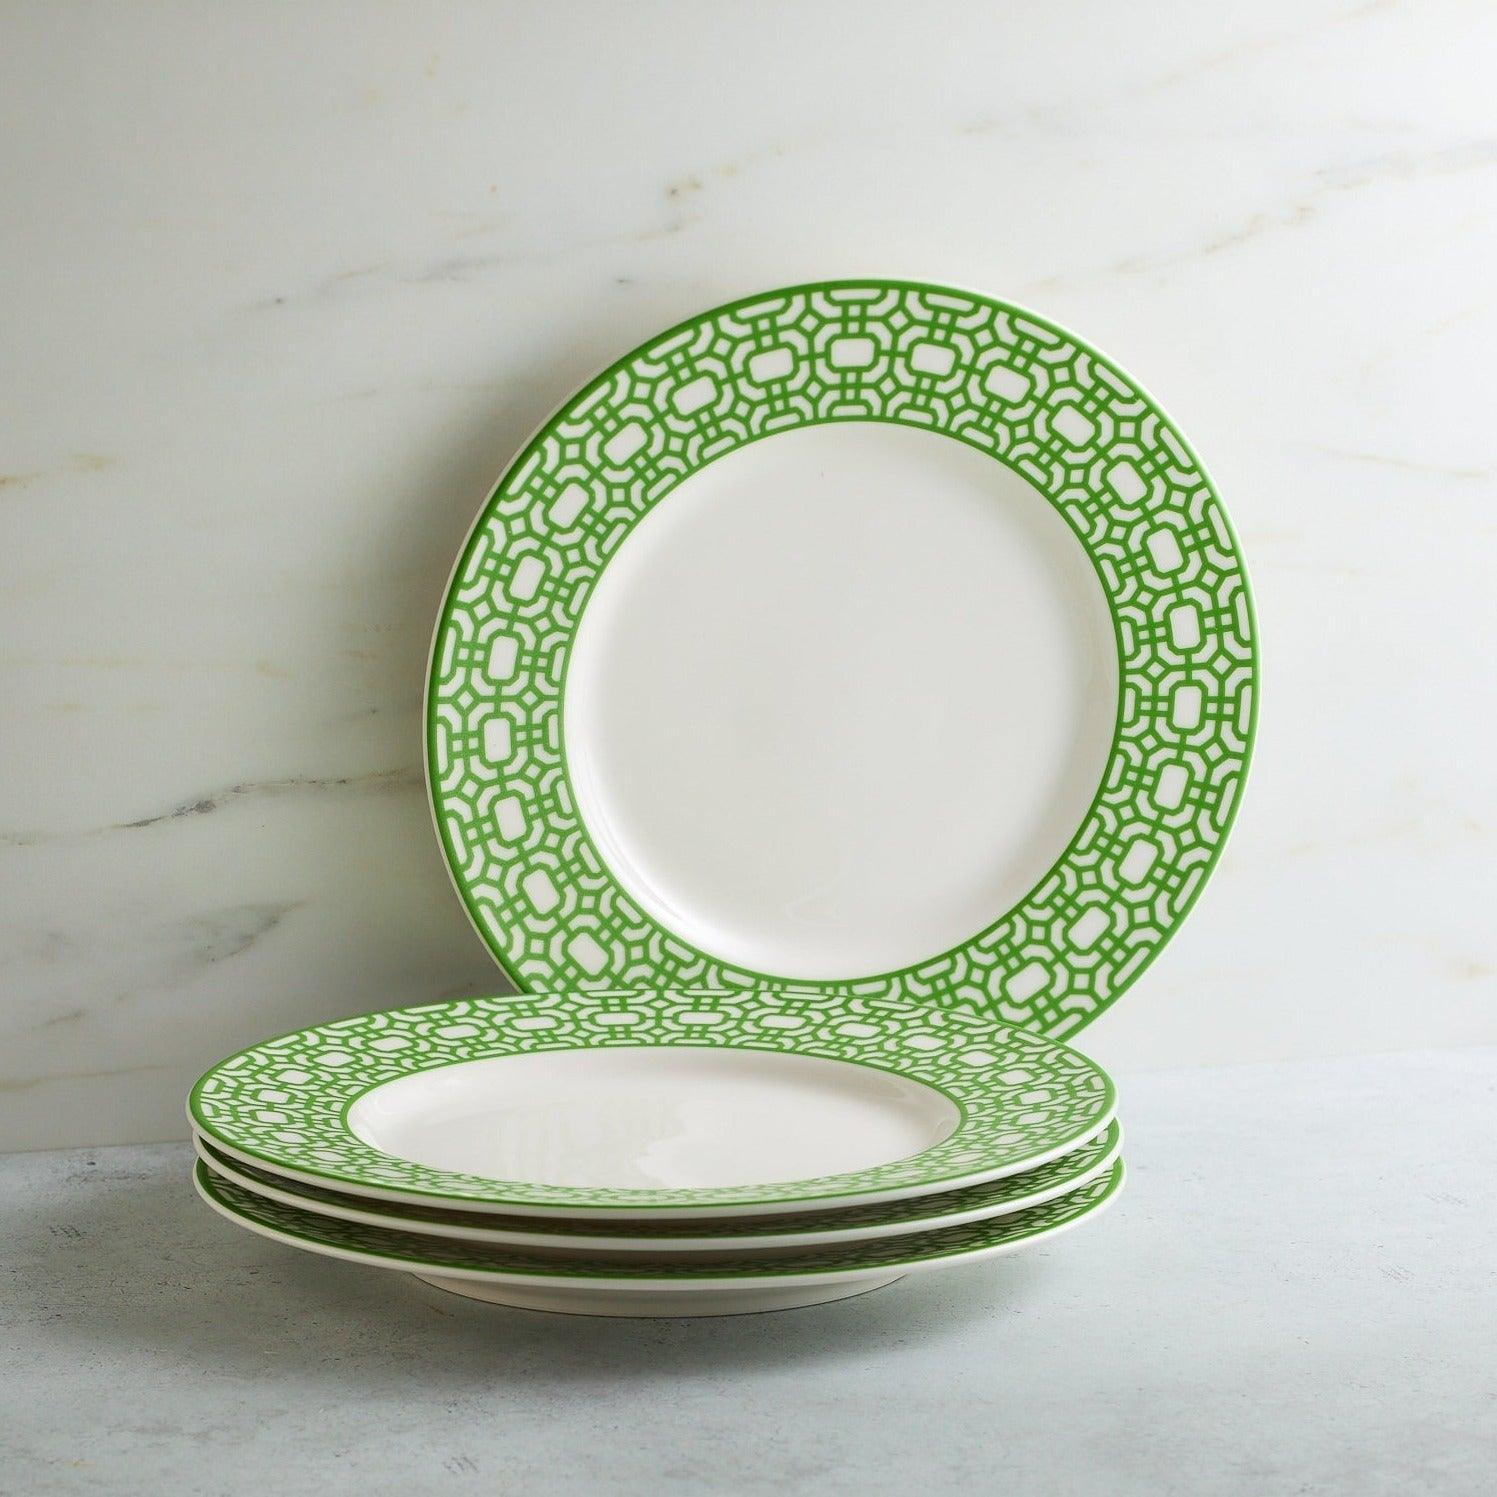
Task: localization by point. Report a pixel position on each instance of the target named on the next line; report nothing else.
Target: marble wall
(284, 287)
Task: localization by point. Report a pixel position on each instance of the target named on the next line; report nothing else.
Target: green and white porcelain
(744, 1102)
(790, 1229)
(714, 1283)
(868, 639)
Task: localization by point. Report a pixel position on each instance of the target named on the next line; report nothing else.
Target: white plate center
(651, 1117)
(841, 700)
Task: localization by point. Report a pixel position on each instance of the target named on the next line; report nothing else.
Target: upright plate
(944, 693)
(715, 1283)
(789, 1229)
(649, 1103)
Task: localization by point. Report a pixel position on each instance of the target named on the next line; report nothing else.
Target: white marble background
(282, 287)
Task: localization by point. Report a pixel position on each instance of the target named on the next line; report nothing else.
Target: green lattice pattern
(415, 1251)
(982, 372)
(1023, 1098)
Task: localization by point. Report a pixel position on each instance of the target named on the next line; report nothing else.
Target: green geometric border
(982, 372)
(1022, 1099)
(409, 1250)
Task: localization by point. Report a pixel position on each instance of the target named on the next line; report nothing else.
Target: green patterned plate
(522, 1276)
(799, 1229)
(870, 638)
(649, 1103)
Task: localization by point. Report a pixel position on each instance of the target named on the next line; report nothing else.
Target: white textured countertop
(1296, 1294)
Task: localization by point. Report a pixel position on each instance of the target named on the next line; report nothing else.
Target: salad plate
(863, 638)
(714, 1283)
(798, 1229)
(653, 1103)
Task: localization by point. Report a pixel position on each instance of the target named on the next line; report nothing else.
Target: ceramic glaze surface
(648, 1117)
(841, 697)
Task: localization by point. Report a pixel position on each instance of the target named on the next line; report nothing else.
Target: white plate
(870, 636)
(717, 1283)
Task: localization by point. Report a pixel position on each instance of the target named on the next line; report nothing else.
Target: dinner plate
(649, 1103)
(715, 1283)
(869, 636)
(797, 1229)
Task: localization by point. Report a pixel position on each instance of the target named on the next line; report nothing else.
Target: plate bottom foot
(655, 1302)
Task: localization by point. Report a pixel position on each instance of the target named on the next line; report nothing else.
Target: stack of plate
(682, 1153)
(809, 791)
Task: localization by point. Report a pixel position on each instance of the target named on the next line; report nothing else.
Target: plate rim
(225, 1165)
(1115, 1180)
(1074, 1021)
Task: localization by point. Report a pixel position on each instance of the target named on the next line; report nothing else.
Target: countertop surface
(1296, 1294)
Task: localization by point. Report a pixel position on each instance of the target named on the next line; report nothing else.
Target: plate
(643, 1103)
(867, 636)
(718, 1283)
(798, 1229)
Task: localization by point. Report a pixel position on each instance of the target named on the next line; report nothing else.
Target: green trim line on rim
(1023, 1099)
(983, 372)
(386, 1248)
